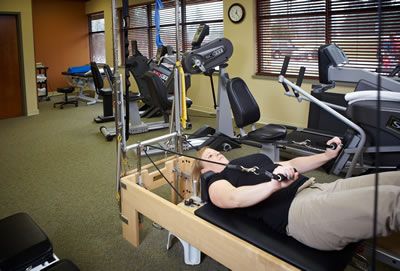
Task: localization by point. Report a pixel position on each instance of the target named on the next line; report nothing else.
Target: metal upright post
(118, 108)
(177, 92)
(224, 115)
(177, 85)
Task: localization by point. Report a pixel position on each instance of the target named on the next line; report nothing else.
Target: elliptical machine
(360, 110)
(137, 64)
(361, 105)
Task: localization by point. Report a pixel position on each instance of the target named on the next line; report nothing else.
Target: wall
(274, 105)
(24, 7)
(61, 37)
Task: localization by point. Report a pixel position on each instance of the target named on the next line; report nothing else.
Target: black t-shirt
(272, 211)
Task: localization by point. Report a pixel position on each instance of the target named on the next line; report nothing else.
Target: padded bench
(281, 246)
(25, 246)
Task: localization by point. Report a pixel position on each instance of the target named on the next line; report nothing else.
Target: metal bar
(338, 107)
(117, 90)
(150, 141)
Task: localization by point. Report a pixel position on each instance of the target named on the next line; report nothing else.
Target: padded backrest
(157, 90)
(204, 180)
(244, 107)
(138, 66)
(109, 74)
(97, 78)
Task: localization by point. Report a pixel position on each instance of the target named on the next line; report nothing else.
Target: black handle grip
(300, 77)
(285, 65)
(332, 146)
(285, 86)
(280, 177)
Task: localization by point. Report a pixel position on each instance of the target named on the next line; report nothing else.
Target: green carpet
(58, 168)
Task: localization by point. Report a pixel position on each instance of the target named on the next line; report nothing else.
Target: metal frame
(358, 150)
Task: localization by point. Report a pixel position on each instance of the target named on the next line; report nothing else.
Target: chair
(66, 91)
(106, 93)
(246, 112)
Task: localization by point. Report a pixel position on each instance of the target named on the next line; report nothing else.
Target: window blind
(297, 28)
(354, 27)
(193, 13)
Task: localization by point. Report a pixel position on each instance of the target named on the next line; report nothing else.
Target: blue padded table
(82, 80)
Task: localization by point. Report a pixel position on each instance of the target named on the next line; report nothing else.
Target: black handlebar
(394, 71)
(285, 65)
(300, 78)
(280, 177)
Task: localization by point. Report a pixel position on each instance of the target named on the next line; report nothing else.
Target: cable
(255, 170)
(170, 184)
(378, 114)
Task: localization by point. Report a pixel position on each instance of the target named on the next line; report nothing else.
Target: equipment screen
(336, 55)
(202, 31)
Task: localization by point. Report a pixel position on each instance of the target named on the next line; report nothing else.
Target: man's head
(212, 155)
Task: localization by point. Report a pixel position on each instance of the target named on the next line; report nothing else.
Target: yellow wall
(24, 7)
(274, 105)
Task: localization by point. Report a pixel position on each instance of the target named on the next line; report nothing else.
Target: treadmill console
(336, 55)
(329, 55)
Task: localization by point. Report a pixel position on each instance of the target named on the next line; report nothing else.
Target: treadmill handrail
(331, 111)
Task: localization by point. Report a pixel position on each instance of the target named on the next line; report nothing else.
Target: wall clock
(236, 13)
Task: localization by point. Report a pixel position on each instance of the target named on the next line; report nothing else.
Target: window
(96, 38)
(298, 27)
(195, 12)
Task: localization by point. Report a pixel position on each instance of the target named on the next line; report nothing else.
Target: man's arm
(307, 163)
(224, 195)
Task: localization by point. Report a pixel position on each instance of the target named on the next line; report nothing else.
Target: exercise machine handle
(281, 177)
(283, 72)
(299, 81)
(285, 65)
(300, 78)
(394, 71)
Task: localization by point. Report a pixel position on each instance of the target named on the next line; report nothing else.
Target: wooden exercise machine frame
(229, 250)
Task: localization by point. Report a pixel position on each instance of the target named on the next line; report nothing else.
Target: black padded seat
(98, 81)
(106, 93)
(269, 132)
(246, 112)
(279, 245)
(23, 244)
(66, 91)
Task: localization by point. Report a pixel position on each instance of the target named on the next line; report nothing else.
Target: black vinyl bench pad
(279, 245)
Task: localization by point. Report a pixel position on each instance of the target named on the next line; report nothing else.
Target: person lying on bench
(325, 216)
